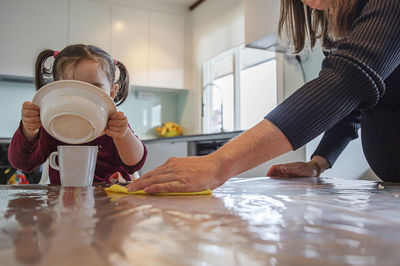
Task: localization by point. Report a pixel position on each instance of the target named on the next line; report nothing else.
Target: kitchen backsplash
(13, 94)
(145, 108)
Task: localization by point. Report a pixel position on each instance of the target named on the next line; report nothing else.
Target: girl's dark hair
(74, 54)
(299, 23)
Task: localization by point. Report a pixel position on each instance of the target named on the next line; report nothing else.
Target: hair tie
(55, 53)
(115, 61)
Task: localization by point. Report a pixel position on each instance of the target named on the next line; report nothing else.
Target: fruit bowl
(169, 129)
(72, 111)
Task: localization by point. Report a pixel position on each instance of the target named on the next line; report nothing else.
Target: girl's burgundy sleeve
(26, 155)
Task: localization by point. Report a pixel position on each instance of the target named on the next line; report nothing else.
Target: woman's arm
(258, 144)
(330, 147)
(351, 77)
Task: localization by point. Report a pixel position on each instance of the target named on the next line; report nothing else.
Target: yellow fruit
(169, 129)
(163, 131)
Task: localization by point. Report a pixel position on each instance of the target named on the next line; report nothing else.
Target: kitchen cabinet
(26, 28)
(89, 23)
(166, 60)
(150, 44)
(261, 20)
(130, 41)
(159, 153)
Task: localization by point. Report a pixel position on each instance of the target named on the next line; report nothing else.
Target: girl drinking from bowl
(121, 153)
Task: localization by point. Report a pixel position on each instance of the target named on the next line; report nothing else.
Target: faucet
(211, 86)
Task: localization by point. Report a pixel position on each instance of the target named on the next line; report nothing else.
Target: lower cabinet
(159, 153)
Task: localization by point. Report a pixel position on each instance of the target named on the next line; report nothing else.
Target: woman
(358, 86)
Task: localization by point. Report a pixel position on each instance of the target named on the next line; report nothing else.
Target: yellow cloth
(120, 189)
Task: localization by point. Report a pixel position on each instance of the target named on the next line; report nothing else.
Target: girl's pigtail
(41, 72)
(123, 84)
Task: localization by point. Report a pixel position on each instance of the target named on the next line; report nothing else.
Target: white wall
(12, 97)
(213, 27)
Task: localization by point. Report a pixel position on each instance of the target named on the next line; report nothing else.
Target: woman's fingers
(276, 170)
(181, 175)
(297, 169)
(174, 186)
(145, 181)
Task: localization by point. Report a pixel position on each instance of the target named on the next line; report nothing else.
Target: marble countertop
(255, 221)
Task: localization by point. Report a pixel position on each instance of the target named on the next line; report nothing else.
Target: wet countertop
(257, 221)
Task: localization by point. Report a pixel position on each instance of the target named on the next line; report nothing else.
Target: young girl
(120, 151)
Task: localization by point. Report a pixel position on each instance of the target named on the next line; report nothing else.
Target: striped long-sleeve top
(358, 86)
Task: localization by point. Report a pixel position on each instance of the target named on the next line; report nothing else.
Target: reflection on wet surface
(256, 221)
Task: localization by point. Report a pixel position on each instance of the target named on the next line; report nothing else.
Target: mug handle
(52, 160)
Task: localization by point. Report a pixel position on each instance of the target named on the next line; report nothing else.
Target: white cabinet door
(166, 50)
(159, 153)
(89, 23)
(26, 28)
(130, 41)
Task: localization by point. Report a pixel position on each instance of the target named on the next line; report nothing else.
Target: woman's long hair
(299, 23)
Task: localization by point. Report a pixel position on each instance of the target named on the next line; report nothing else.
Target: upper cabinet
(90, 23)
(150, 44)
(261, 20)
(130, 42)
(166, 50)
(26, 28)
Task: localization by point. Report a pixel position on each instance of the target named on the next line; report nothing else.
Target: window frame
(237, 67)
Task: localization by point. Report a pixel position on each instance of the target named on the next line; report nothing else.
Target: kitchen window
(240, 88)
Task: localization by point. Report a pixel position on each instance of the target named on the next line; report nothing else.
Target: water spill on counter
(256, 221)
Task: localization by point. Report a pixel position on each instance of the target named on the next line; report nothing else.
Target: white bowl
(73, 111)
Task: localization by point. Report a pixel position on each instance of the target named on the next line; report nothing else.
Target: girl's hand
(297, 169)
(117, 125)
(30, 116)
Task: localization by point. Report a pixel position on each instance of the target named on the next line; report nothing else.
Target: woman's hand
(30, 116)
(189, 174)
(297, 169)
(314, 167)
(117, 125)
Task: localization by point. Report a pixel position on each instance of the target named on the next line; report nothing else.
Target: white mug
(76, 164)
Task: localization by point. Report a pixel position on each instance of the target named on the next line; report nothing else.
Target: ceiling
(187, 3)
